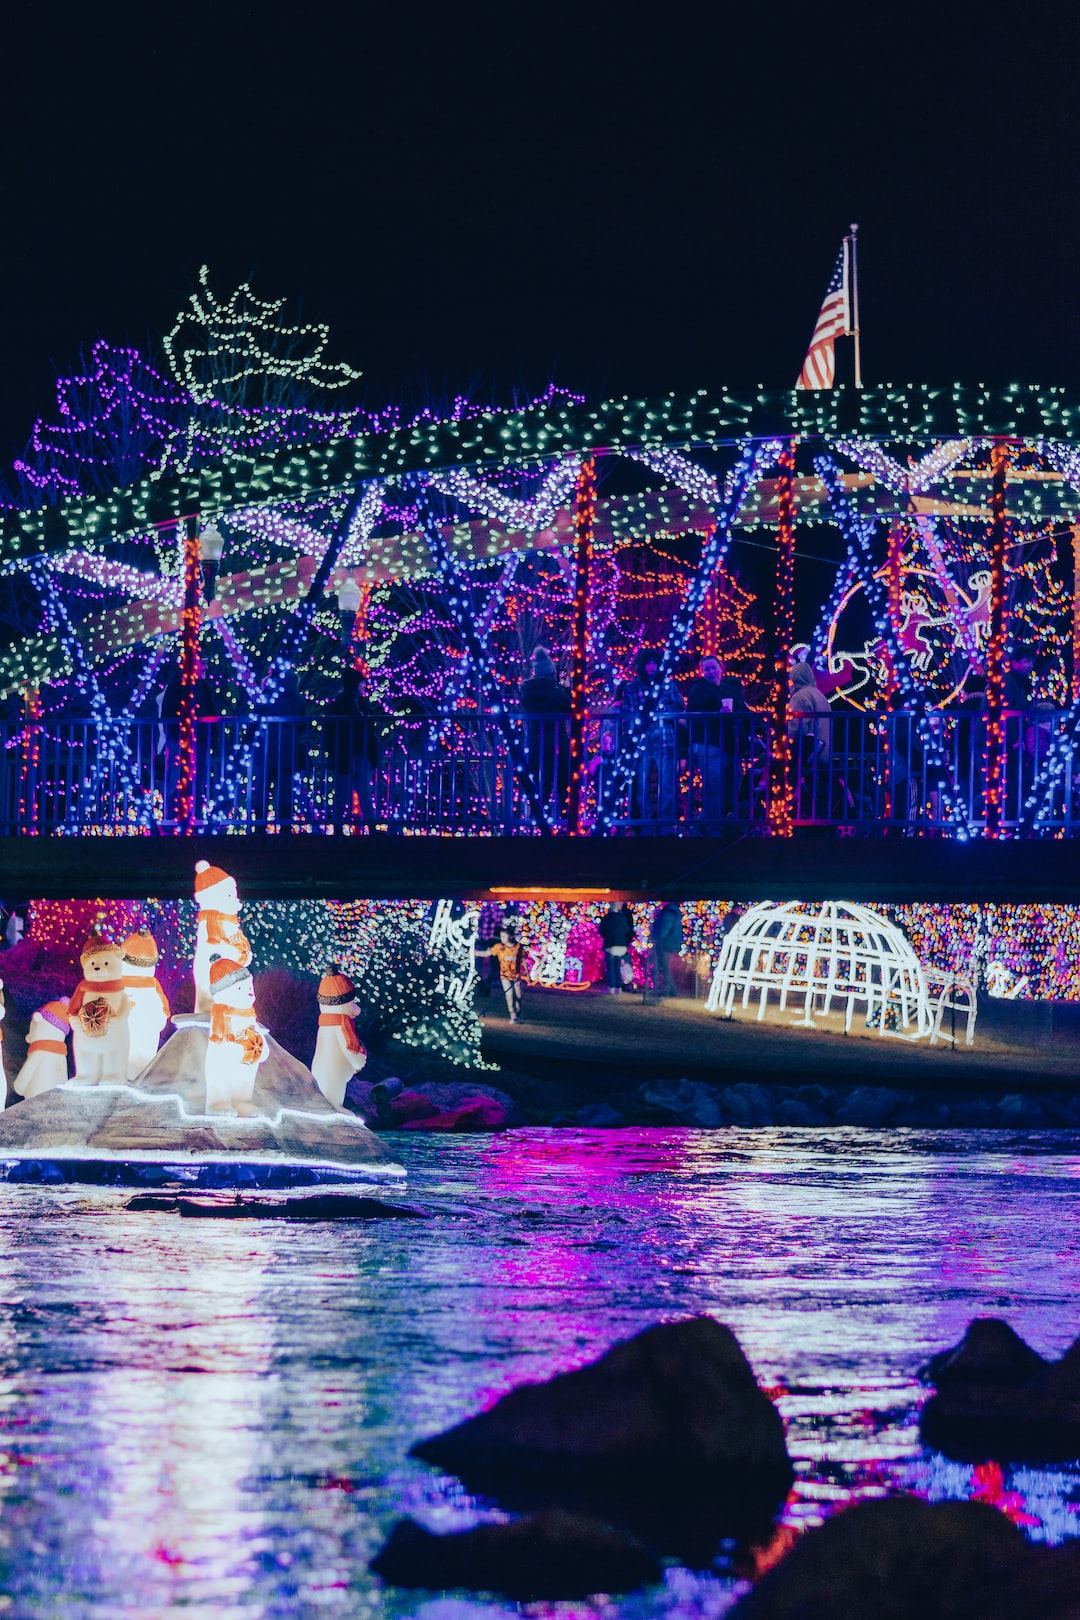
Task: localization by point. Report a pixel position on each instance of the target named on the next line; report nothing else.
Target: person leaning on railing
(711, 745)
(545, 702)
(661, 742)
(354, 748)
(809, 723)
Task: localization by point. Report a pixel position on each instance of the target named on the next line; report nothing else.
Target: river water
(216, 1415)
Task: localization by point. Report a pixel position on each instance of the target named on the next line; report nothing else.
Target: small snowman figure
(150, 1010)
(237, 1043)
(217, 928)
(46, 1050)
(99, 1012)
(339, 1053)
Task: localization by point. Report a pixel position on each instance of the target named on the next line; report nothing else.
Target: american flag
(819, 367)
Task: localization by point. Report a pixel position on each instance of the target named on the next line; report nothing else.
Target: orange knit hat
(224, 973)
(335, 989)
(140, 949)
(207, 876)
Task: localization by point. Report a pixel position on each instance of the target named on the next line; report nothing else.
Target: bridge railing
(478, 773)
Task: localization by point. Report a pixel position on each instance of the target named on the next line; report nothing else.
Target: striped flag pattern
(819, 367)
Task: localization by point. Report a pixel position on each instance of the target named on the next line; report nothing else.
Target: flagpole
(853, 263)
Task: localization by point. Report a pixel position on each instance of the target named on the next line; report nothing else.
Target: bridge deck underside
(300, 866)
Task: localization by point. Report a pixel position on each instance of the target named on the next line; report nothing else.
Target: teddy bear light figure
(46, 1050)
(150, 1010)
(217, 929)
(99, 1012)
(339, 1053)
(237, 1043)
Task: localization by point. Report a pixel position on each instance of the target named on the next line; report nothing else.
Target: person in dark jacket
(714, 743)
(353, 739)
(546, 701)
(284, 747)
(666, 941)
(617, 935)
(659, 747)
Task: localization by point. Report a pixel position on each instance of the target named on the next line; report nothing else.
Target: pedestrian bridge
(470, 773)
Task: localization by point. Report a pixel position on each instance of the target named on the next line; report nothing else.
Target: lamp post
(211, 545)
(348, 606)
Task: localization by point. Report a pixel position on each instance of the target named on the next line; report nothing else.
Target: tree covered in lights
(243, 353)
(403, 996)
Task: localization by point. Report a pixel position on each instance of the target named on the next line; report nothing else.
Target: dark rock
(818, 1097)
(599, 1114)
(869, 1105)
(904, 1559)
(924, 1114)
(675, 1407)
(991, 1352)
(553, 1554)
(1024, 1113)
(978, 1112)
(321, 1207)
(748, 1104)
(687, 1102)
(793, 1111)
(996, 1398)
(1056, 1110)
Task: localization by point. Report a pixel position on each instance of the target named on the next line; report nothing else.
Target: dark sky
(619, 199)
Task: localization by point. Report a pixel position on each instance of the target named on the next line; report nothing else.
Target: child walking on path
(508, 955)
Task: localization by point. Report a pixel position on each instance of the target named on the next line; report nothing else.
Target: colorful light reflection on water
(217, 1415)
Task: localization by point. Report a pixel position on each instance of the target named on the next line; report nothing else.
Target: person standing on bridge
(546, 701)
(714, 742)
(659, 749)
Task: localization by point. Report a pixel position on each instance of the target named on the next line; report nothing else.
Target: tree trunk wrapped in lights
(994, 751)
(584, 514)
(780, 751)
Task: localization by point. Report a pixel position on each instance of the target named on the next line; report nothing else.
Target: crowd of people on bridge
(689, 751)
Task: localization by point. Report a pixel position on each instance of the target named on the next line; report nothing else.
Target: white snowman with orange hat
(100, 1011)
(150, 1010)
(46, 1050)
(217, 929)
(339, 1053)
(237, 1043)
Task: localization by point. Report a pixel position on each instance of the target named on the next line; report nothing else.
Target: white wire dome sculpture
(832, 952)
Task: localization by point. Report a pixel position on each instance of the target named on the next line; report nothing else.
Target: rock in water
(991, 1352)
(677, 1407)
(903, 1559)
(548, 1555)
(996, 1397)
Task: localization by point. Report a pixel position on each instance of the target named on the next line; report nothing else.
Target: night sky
(481, 199)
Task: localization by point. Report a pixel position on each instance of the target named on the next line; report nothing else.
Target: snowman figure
(339, 1053)
(99, 1012)
(237, 1043)
(217, 928)
(46, 1050)
(3, 1072)
(150, 1010)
